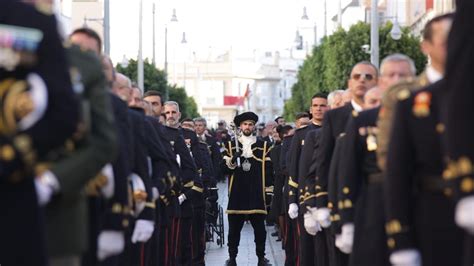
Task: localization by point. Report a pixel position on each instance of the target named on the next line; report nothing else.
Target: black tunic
(419, 214)
(360, 198)
(334, 124)
(247, 189)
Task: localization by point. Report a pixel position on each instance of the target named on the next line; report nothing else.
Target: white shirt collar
(433, 75)
(356, 106)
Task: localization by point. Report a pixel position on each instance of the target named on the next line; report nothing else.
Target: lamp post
(105, 22)
(374, 34)
(184, 42)
(395, 33)
(299, 36)
(174, 18)
(140, 55)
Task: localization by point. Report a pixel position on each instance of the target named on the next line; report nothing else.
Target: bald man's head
(373, 97)
(122, 87)
(346, 96)
(136, 98)
(109, 70)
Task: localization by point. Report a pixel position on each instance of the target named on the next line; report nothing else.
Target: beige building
(415, 13)
(80, 13)
(226, 85)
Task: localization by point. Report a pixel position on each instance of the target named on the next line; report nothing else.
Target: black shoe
(262, 261)
(275, 234)
(231, 262)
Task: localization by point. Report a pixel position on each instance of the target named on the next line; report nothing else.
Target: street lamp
(396, 32)
(305, 15)
(298, 41)
(124, 62)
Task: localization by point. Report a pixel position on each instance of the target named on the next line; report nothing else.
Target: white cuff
(406, 257)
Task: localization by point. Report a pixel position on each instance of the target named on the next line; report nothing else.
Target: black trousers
(291, 242)
(336, 257)
(198, 234)
(236, 222)
(306, 245)
(184, 250)
(468, 259)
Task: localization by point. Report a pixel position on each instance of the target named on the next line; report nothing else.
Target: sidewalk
(216, 255)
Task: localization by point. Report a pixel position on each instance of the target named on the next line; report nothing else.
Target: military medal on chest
(371, 139)
(246, 165)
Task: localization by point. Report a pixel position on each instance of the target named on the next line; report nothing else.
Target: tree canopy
(154, 79)
(328, 68)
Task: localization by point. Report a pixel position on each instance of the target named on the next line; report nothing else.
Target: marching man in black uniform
(250, 168)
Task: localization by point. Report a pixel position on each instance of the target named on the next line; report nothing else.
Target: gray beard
(247, 134)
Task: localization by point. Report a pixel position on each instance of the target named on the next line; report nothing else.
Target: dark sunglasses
(366, 76)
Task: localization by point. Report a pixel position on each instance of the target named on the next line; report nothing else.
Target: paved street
(216, 255)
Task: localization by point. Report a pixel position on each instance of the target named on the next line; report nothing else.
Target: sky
(213, 26)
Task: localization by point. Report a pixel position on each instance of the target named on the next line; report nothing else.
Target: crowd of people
(93, 172)
(365, 177)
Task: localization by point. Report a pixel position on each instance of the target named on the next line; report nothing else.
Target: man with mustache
(250, 168)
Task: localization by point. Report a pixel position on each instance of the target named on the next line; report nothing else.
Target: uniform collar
(356, 106)
(433, 75)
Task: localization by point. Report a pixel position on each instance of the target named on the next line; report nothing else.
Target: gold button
(7, 152)
(347, 204)
(440, 128)
(391, 243)
(467, 185)
(465, 165)
(23, 143)
(345, 190)
(125, 223)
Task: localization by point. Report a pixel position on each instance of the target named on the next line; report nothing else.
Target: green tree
(328, 67)
(154, 79)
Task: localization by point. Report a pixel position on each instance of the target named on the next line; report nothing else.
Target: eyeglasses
(365, 76)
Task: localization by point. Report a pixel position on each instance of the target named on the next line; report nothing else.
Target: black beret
(245, 117)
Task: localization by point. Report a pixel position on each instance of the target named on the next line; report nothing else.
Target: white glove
(110, 243)
(181, 198)
(347, 238)
(311, 225)
(406, 257)
(156, 193)
(108, 189)
(323, 216)
(338, 242)
(44, 192)
(465, 214)
(293, 210)
(46, 184)
(143, 231)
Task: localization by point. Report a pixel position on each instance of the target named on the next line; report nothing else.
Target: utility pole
(166, 63)
(140, 55)
(374, 34)
(325, 19)
(339, 14)
(154, 58)
(107, 27)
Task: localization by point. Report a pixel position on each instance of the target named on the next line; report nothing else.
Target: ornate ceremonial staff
(234, 131)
